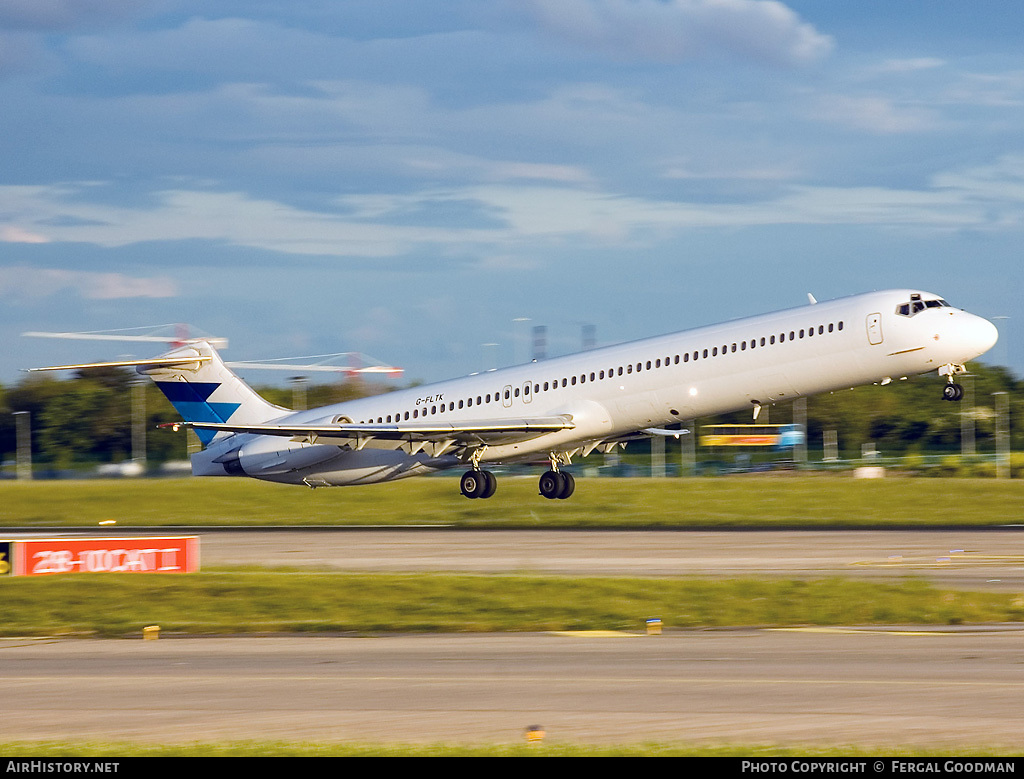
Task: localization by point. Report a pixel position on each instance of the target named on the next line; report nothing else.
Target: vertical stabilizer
(207, 390)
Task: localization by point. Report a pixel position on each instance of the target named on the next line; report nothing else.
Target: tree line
(87, 418)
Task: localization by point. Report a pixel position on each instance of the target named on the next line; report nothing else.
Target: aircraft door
(506, 396)
(528, 392)
(874, 329)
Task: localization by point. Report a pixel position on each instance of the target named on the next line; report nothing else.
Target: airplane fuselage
(610, 392)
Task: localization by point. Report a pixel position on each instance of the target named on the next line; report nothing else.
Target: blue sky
(416, 180)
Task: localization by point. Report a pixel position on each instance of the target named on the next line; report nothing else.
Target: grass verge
(753, 500)
(302, 602)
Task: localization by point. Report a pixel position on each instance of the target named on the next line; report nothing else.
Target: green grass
(302, 602)
(754, 500)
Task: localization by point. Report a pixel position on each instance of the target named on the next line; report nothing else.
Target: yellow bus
(771, 436)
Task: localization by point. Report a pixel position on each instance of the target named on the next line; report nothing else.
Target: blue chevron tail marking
(191, 400)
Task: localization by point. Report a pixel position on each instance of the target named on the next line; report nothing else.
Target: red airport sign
(43, 556)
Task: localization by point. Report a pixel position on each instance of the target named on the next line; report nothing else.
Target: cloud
(54, 15)
(21, 282)
(14, 234)
(875, 114)
(499, 222)
(678, 30)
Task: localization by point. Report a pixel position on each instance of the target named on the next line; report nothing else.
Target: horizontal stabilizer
(156, 362)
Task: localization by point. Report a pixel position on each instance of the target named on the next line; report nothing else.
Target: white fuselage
(653, 382)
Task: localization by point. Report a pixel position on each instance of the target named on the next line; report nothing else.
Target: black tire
(491, 484)
(473, 484)
(568, 485)
(952, 392)
(551, 485)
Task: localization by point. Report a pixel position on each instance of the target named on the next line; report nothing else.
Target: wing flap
(443, 434)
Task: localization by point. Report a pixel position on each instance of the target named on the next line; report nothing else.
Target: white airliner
(565, 407)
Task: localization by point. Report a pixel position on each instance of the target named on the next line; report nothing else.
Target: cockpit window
(916, 305)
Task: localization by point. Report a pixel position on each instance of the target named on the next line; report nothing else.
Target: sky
(427, 182)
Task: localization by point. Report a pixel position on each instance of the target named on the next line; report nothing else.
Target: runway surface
(971, 559)
(917, 687)
(888, 688)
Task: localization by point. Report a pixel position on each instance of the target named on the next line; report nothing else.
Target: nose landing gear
(952, 390)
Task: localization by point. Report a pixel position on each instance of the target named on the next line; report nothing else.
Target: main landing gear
(478, 484)
(554, 485)
(557, 485)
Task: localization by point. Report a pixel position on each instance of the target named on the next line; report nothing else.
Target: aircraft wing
(434, 436)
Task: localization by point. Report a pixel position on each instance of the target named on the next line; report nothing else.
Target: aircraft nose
(981, 334)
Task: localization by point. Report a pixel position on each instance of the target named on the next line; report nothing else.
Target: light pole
(1004, 340)
(800, 418)
(298, 392)
(1002, 435)
(967, 448)
(516, 337)
(24, 443)
(488, 356)
(139, 421)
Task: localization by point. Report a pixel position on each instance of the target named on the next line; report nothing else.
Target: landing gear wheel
(491, 486)
(473, 484)
(557, 485)
(551, 485)
(478, 484)
(568, 485)
(953, 392)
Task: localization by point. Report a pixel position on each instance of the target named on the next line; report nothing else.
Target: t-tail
(202, 388)
(199, 385)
